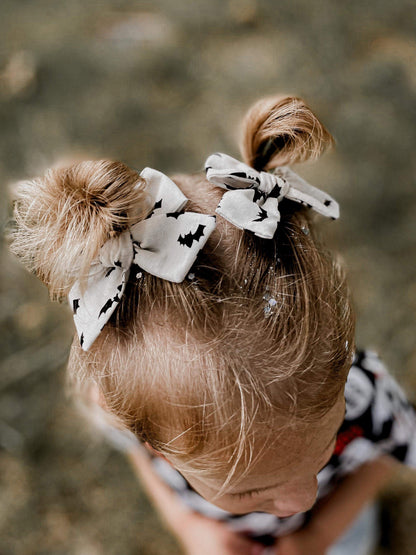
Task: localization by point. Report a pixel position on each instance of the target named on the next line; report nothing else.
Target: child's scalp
(198, 360)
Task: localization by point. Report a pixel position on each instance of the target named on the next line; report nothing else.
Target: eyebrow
(265, 488)
(257, 490)
(254, 490)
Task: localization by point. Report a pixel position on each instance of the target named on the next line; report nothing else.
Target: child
(222, 346)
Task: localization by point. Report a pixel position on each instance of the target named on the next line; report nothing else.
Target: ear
(95, 395)
(155, 453)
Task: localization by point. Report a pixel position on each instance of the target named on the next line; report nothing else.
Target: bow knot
(117, 250)
(269, 182)
(165, 245)
(252, 198)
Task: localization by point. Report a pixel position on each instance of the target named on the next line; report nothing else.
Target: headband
(252, 198)
(165, 245)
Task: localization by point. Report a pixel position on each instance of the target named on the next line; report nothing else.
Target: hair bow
(252, 198)
(165, 244)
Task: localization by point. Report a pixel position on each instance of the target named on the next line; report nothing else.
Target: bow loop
(252, 198)
(166, 196)
(165, 245)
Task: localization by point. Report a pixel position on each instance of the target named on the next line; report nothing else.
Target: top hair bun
(65, 217)
(282, 130)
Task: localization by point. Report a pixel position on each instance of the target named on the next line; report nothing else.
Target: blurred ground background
(164, 84)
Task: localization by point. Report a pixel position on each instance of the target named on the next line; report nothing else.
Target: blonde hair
(196, 369)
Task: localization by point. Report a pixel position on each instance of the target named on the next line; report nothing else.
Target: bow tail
(303, 192)
(93, 307)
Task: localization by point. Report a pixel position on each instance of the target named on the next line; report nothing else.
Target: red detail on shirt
(345, 437)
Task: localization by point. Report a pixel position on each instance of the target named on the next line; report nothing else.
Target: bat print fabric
(190, 237)
(165, 244)
(252, 198)
(167, 241)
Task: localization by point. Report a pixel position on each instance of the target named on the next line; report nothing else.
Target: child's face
(284, 481)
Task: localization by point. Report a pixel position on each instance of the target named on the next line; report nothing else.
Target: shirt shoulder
(377, 409)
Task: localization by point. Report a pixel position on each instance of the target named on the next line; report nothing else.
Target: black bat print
(81, 340)
(173, 214)
(244, 175)
(136, 247)
(116, 263)
(190, 237)
(229, 181)
(109, 304)
(75, 305)
(262, 215)
(157, 205)
(258, 195)
(240, 174)
(275, 192)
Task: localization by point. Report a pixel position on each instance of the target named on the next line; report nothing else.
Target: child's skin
(284, 481)
(295, 470)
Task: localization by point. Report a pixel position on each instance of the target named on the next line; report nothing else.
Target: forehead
(292, 450)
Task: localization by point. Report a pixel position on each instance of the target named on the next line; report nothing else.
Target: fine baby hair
(256, 338)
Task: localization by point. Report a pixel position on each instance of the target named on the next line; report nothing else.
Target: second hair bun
(282, 130)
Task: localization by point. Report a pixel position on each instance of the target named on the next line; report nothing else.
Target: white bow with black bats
(165, 244)
(252, 198)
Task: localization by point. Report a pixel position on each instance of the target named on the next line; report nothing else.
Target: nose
(300, 497)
